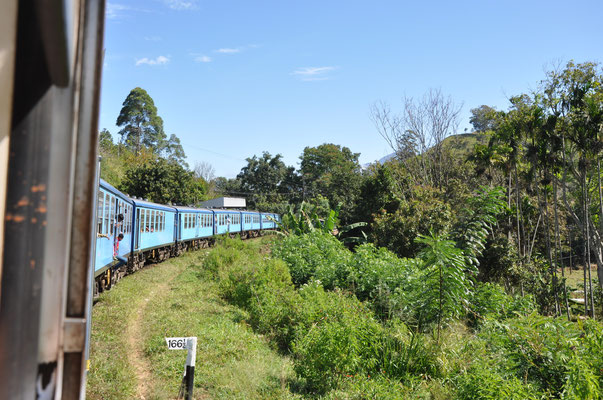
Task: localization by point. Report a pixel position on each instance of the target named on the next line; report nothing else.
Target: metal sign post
(190, 344)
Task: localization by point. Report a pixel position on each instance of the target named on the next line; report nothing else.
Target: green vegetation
(129, 357)
(461, 288)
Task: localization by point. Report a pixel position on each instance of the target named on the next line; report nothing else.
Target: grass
(177, 300)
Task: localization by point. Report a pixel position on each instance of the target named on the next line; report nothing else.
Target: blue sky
(233, 78)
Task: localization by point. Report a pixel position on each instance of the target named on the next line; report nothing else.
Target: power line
(213, 152)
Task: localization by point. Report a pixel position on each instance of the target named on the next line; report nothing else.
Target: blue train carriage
(154, 233)
(115, 216)
(251, 224)
(227, 222)
(195, 228)
(268, 220)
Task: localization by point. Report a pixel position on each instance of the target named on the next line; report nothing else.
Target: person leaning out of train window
(120, 220)
(121, 260)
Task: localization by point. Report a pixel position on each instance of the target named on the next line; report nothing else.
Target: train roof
(148, 204)
(107, 186)
(192, 209)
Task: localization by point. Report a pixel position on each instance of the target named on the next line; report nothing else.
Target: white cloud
(181, 4)
(114, 10)
(313, 73)
(203, 59)
(161, 60)
(153, 38)
(228, 51)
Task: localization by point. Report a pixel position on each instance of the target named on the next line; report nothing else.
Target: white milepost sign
(190, 344)
(176, 343)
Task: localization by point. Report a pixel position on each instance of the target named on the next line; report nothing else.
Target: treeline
(544, 150)
(145, 162)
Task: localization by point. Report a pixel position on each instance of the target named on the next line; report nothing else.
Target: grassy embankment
(129, 356)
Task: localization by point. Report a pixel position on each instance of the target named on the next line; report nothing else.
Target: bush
(374, 274)
(490, 302)
(337, 337)
(557, 356)
(483, 383)
(260, 285)
(425, 212)
(317, 255)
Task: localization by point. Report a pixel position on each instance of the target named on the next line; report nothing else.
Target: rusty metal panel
(8, 34)
(44, 295)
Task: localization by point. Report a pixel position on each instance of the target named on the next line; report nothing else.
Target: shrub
(260, 285)
(316, 255)
(374, 274)
(337, 337)
(483, 383)
(490, 302)
(425, 212)
(553, 354)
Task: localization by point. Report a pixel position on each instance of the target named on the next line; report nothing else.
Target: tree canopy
(141, 126)
(162, 181)
(332, 171)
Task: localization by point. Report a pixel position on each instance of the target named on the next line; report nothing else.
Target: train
(132, 232)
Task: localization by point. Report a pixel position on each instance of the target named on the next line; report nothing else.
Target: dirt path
(135, 341)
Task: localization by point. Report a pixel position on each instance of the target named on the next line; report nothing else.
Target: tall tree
(141, 126)
(266, 180)
(483, 118)
(421, 129)
(173, 151)
(332, 171)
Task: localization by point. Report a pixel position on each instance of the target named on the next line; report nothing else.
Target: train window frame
(106, 214)
(99, 211)
(112, 216)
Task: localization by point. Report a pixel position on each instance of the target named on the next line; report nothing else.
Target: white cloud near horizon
(161, 60)
(313, 73)
(203, 59)
(228, 51)
(114, 10)
(182, 4)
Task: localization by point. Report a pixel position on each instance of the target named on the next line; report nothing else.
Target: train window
(112, 216)
(106, 214)
(99, 212)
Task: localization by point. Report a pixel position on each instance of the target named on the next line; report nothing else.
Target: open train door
(50, 64)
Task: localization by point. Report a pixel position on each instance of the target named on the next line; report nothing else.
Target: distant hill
(460, 145)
